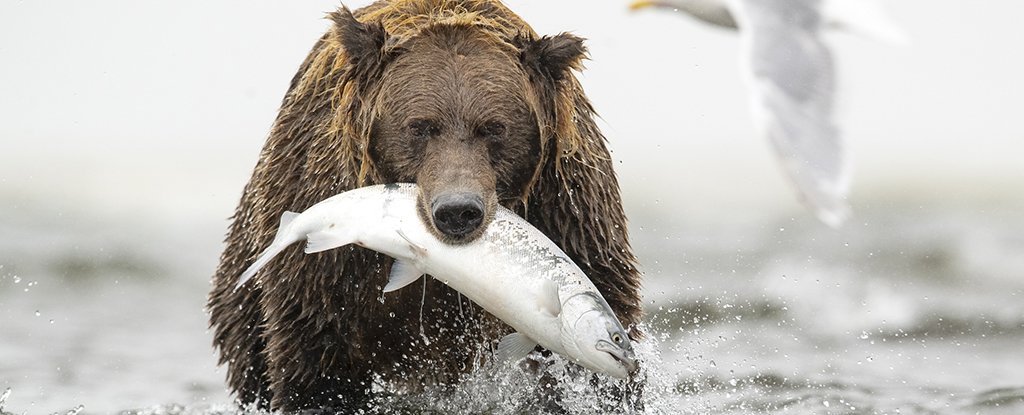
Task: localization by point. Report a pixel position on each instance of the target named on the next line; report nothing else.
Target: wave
(822, 317)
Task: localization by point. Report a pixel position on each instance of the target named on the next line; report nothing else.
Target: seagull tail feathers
(865, 18)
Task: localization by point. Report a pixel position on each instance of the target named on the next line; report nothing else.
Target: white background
(147, 107)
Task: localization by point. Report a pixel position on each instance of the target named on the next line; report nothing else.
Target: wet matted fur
(315, 331)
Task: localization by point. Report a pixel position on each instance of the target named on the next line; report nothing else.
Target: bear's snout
(457, 214)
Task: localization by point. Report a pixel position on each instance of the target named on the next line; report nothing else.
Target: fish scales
(513, 271)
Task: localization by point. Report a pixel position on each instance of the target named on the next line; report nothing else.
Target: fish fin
(287, 217)
(548, 298)
(402, 273)
(282, 239)
(324, 240)
(513, 347)
(256, 265)
(417, 250)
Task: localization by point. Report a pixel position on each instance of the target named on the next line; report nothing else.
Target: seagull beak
(641, 4)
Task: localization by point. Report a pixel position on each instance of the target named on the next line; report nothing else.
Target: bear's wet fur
(455, 95)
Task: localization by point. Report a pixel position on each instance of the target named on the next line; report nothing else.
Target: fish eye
(617, 338)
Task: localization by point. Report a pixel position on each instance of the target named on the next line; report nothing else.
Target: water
(909, 310)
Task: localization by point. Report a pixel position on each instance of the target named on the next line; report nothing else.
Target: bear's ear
(552, 56)
(363, 42)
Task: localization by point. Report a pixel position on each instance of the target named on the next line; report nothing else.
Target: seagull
(791, 75)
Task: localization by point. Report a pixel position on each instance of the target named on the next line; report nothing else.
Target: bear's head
(462, 112)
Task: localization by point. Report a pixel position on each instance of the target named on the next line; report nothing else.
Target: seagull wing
(865, 18)
(792, 76)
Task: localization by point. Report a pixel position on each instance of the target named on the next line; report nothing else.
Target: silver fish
(513, 271)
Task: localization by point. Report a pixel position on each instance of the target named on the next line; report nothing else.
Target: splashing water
(561, 387)
(7, 394)
(3, 398)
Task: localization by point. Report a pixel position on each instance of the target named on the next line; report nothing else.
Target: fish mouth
(624, 357)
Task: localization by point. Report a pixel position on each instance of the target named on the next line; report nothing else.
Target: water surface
(912, 310)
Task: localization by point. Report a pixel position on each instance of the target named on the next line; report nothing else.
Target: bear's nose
(458, 214)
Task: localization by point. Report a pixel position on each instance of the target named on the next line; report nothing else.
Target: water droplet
(5, 395)
(37, 313)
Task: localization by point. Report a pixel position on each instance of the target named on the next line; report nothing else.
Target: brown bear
(463, 98)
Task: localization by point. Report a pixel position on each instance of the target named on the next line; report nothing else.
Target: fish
(512, 271)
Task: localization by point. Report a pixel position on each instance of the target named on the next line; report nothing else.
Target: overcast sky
(163, 106)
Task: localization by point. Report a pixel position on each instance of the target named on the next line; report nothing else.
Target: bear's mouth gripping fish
(513, 271)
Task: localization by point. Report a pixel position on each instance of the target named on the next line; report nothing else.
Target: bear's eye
(491, 129)
(424, 128)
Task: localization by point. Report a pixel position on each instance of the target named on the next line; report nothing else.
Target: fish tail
(282, 239)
